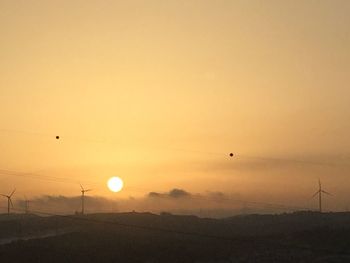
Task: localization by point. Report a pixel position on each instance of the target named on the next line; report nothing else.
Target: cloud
(218, 196)
(174, 193)
(176, 200)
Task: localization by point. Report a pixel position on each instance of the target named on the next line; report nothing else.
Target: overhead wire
(71, 181)
(86, 218)
(221, 199)
(109, 142)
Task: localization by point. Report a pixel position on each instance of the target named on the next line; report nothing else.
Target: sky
(160, 92)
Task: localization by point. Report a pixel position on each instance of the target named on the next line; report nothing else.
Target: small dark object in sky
(231, 154)
(57, 137)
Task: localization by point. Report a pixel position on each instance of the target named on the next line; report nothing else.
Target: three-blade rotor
(84, 190)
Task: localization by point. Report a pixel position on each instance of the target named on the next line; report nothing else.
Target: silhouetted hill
(146, 237)
(6, 217)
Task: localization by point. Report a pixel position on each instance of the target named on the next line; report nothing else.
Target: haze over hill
(178, 201)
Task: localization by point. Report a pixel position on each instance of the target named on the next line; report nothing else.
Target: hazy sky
(159, 92)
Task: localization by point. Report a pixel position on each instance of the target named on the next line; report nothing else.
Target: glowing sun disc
(115, 184)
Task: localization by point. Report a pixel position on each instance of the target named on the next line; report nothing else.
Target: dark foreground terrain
(144, 237)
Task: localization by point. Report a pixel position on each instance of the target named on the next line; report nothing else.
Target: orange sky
(159, 92)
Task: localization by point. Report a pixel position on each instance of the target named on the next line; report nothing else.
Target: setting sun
(115, 184)
(226, 121)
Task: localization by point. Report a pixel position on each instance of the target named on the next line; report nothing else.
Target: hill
(146, 237)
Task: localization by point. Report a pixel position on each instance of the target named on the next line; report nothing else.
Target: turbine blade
(11, 202)
(4, 195)
(82, 188)
(316, 193)
(326, 192)
(88, 190)
(14, 190)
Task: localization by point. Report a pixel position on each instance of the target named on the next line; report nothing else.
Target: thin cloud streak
(247, 163)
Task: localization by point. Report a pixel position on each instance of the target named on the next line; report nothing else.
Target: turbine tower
(319, 193)
(26, 205)
(83, 191)
(9, 201)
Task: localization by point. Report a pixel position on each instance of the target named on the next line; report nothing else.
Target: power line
(192, 196)
(150, 228)
(63, 137)
(179, 232)
(198, 197)
(37, 176)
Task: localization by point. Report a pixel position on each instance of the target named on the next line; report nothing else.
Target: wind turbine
(83, 191)
(319, 193)
(9, 201)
